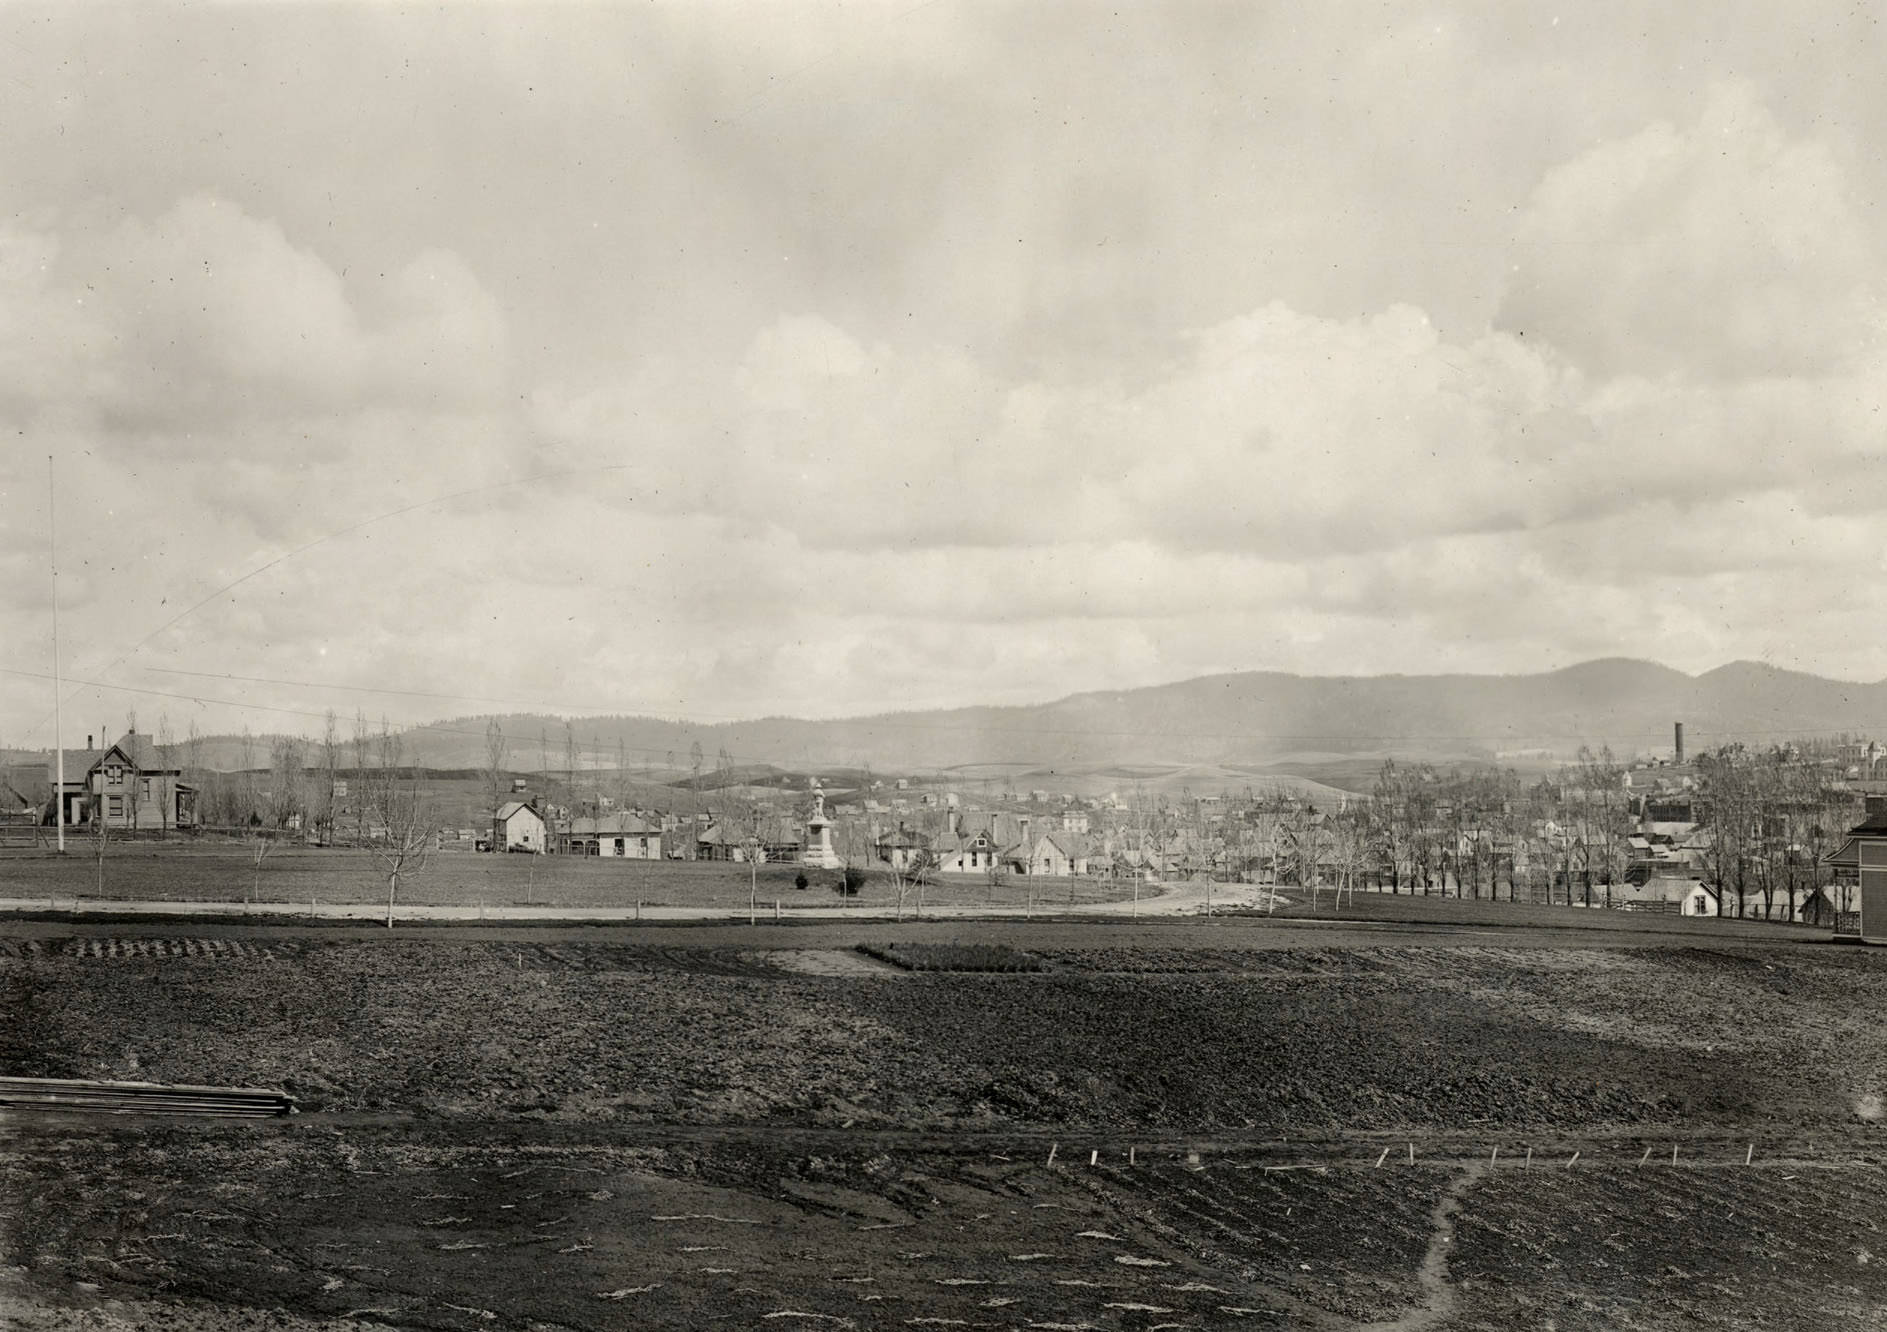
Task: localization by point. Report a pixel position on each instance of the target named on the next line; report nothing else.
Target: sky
(717, 360)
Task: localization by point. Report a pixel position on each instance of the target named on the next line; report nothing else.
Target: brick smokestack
(1678, 737)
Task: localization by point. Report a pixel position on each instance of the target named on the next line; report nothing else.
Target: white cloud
(203, 313)
(1725, 247)
(1666, 445)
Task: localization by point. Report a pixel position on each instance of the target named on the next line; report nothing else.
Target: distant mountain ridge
(1259, 719)
(1253, 717)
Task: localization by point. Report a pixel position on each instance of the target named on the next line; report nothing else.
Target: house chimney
(88, 740)
(1679, 735)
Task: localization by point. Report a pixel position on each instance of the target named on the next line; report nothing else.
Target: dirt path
(1438, 1293)
(1160, 900)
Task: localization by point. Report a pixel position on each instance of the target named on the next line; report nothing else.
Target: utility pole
(58, 687)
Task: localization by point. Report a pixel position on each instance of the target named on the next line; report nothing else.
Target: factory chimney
(1679, 736)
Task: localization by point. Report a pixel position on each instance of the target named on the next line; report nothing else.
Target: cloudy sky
(713, 360)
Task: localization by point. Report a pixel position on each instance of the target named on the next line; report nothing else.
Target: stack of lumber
(147, 1098)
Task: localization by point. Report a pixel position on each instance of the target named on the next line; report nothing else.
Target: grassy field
(225, 872)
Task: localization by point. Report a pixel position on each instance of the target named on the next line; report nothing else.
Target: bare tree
(262, 843)
(285, 780)
(852, 844)
(570, 766)
(995, 877)
(330, 743)
(724, 783)
(1394, 834)
(134, 787)
(359, 795)
(248, 774)
(909, 879)
(101, 839)
(401, 809)
(166, 759)
(1349, 846)
(494, 766)
(625, 783)
(1309, 845)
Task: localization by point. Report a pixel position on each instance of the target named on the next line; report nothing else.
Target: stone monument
(818, 849)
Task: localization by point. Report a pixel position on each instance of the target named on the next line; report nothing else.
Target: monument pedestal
(818, 850)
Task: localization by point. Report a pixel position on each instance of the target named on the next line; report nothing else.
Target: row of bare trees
(1767, 818)
(1773, 816)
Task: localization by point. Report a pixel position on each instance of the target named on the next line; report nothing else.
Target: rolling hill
(1224, 729)
(1256, 722)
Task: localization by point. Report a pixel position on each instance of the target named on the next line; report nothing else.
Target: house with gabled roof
(622, 836)
(978, 852)
(1861, 859)
(113, 786)
(770, 841)
(902, 848)
(518, 826)
(1059, 855)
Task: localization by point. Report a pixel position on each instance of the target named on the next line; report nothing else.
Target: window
(144, 788)
(621, 845)
(114, 776)
(114, 807)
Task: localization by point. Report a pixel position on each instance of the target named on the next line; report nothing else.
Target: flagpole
(58, 687)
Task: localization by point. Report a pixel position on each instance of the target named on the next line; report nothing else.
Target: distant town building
(620, 836)
(519, 826)
(902, 848)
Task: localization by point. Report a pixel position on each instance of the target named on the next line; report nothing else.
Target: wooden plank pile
(146, 1098)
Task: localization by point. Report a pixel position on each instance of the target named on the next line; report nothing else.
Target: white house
(621, 836)
(972, 853)
(901, 849)
(1685, 894)
(1059, 855)
(113, 786)
(518, 826)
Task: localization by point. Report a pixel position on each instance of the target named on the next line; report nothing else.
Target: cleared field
(1293, 1041)
(298, 1227)
(225, 872)
(565, 1133)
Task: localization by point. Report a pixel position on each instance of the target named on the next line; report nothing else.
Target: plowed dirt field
(595, 1135)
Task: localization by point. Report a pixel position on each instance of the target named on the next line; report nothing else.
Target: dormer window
(114, 776)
